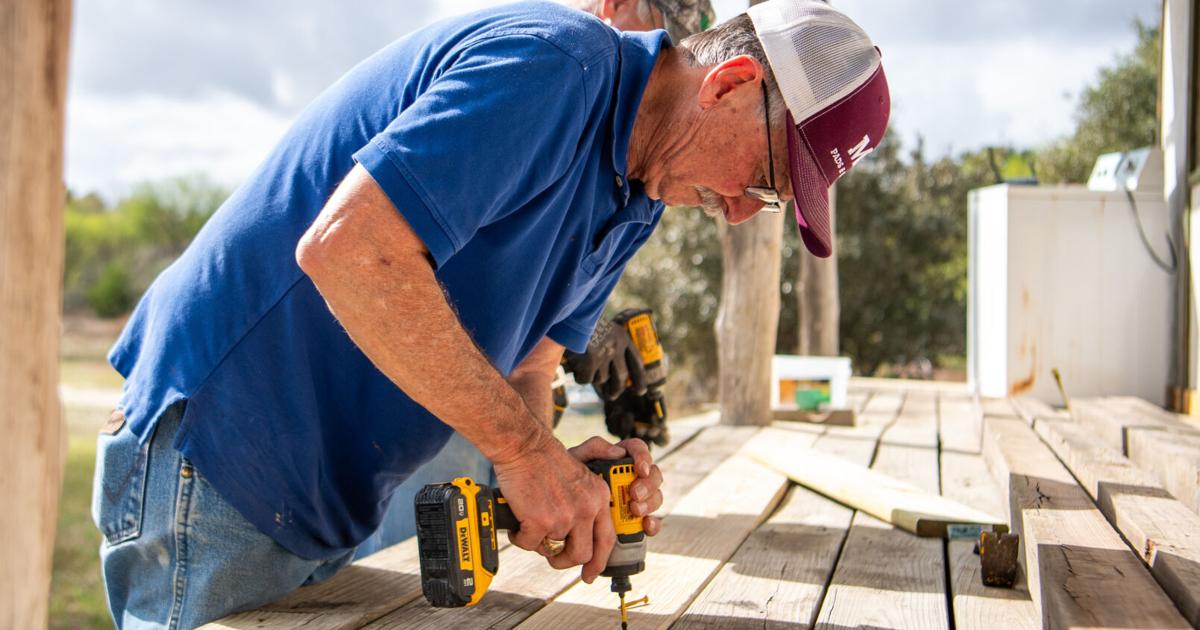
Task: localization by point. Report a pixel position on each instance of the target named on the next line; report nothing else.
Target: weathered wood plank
(904, 386)
(389, 581)
(779, 575)
(965, 478)
(1173, 458)
(907, 590)
(905, 505)
(1080, 572)
(1157, 441)
(698, 536)
(1163, 531)
(34, 36)
(524, 582)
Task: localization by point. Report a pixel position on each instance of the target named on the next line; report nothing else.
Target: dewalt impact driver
(457, 524)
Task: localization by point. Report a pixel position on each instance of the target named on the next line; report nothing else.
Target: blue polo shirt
(501, 136)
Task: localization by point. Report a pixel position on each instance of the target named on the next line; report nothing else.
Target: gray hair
(733, 38)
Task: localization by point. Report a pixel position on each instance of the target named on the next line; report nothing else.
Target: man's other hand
(609, 362)
(646, 489)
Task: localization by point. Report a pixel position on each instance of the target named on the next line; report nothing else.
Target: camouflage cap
(685, 17)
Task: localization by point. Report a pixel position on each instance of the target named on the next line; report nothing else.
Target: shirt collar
(638, 53)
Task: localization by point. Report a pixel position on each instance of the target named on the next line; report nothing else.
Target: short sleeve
(575, 330)
(496, 127)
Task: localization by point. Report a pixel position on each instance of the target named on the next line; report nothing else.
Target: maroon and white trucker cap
(837, 99)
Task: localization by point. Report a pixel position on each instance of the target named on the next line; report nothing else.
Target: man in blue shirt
(413, 257)
(680, 18)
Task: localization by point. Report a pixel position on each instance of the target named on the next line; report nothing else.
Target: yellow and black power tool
(456, 536)
(627, 413)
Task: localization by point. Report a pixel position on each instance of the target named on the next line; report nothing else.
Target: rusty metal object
(998, 558)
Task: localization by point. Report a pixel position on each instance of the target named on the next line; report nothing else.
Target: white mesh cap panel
(818, 55)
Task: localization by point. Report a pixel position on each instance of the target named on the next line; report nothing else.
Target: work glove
(633, 416)
(609, 363)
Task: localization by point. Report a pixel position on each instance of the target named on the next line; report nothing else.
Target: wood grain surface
(965, 478)
(1163, 531)
(699, 535)
(908, 589)
(34, 38)
(1081, 573)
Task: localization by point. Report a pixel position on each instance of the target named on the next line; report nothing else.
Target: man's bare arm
(532, 378)
(376, 276)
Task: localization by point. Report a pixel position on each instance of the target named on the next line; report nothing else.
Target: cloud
(114, 143)
(162, 88)
(275, 53)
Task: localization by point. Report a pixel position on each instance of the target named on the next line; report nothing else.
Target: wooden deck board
(699, 535)
(1161, 529)
(386, 586)
(525, 583)
(1080, 572)
(965, 478)
(1160, 442)
(778, 576)
(908, 590)
(724, 560)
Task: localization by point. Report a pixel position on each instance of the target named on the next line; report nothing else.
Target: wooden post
(33, 69)
(748, 320)
(818, 308)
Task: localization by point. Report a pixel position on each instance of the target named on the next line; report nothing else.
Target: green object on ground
(811, 399)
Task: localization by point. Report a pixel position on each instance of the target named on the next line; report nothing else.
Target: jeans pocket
(119, 487)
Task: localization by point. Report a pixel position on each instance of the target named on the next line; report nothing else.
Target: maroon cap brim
(811, 192)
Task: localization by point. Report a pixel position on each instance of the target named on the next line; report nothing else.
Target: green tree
(1118, 113)
(678, 274)
(113, 253)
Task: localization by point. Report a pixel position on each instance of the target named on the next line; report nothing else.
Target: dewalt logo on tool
(464, 544)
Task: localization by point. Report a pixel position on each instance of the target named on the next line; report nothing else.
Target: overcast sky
(161, 88)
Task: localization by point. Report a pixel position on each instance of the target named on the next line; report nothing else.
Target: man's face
(725, 153)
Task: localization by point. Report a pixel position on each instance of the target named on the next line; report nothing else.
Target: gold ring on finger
(553, 547)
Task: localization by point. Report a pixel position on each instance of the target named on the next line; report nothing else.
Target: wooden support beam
(748, 320)
(1081, 574)
(389, 581)
(1154, 439)
(33, 79)
(1163, 531)
(908, 590)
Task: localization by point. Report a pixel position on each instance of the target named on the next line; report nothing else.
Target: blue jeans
(458, 458)
(174, 553)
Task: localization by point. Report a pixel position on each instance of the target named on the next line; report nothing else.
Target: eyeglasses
(769, 195)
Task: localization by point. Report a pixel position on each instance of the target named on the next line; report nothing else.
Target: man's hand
(609, 361)
(631, 415)
(553, 495)
(585, 523)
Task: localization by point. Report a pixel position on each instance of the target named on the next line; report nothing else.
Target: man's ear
(725, 78)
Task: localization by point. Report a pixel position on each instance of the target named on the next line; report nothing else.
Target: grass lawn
(76, 592)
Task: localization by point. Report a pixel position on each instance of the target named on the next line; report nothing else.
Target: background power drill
(456, 536)
(627, 344)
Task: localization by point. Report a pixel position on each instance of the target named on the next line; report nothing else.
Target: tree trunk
(33, 69)
(817, 302)
(749, 317)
